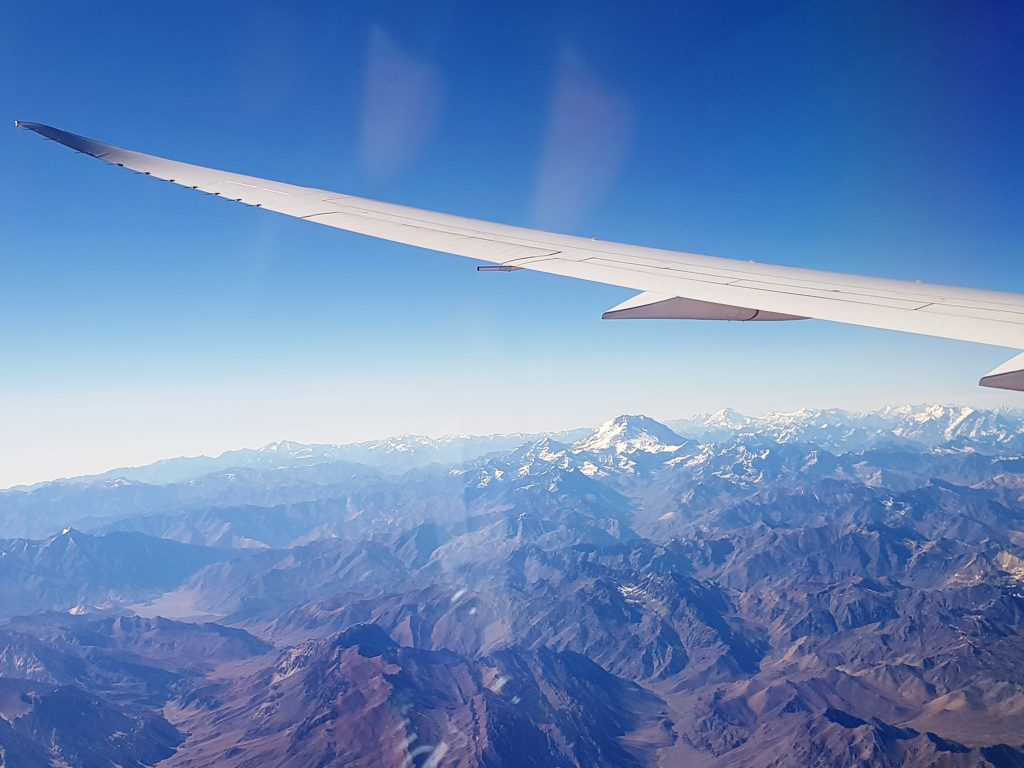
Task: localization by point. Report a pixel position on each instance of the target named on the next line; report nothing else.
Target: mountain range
(813, 588)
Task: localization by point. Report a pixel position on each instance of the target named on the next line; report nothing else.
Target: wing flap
(1009, 375)
(844, 309)
(656, 306)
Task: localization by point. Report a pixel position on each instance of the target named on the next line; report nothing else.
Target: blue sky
(140, 321)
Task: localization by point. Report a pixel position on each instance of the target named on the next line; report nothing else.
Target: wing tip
(73, 140)
(43, 130)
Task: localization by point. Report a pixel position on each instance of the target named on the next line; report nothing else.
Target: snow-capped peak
(956, 427)
(726, 418)
(627, 434)
(287, 448)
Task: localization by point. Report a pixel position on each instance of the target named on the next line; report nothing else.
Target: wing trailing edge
(673, 284)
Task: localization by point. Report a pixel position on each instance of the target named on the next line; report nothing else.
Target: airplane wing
(672, 284)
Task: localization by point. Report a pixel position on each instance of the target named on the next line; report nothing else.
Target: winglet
(1009, 375)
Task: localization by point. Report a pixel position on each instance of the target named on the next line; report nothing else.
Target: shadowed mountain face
(359, 699)
(817, 588)
(72, 569)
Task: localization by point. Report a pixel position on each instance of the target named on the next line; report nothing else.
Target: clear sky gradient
(139, 321)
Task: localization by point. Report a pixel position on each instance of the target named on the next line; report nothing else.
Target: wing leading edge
(673, 284)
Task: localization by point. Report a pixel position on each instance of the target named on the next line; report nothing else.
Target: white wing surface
(673, 284)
